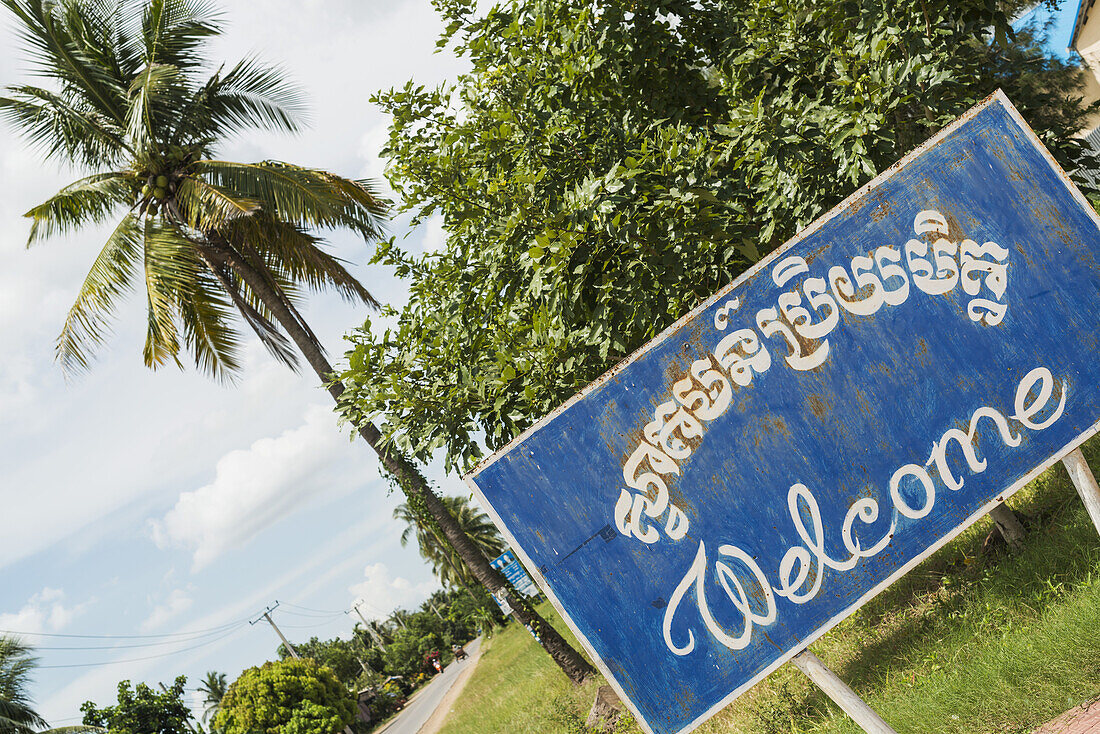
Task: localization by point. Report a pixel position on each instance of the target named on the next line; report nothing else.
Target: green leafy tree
(296, 696)
(17, 715)
(213, 688)
(434, 548)
(130, 101)
(449, 616)
(313, 718)
(603, 167)
(141, 710)
(340, 656)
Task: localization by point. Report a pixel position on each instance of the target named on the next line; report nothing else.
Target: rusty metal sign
(788, 449)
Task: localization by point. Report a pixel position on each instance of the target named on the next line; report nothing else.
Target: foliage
(141, 710)
(340, 656)
(390, 699)
(515, 689)
(16, 665)
(604, 166)
(448, 617)
(286, 697)
(213, 687)
(129, 101)
(435, 549)
(313, 718)
(207, 238)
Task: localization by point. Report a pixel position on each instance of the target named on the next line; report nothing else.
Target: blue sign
(513, 571)
(788, 449)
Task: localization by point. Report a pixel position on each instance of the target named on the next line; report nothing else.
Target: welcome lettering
(751, 597)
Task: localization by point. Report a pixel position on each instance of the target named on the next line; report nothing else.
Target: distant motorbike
(459, 653)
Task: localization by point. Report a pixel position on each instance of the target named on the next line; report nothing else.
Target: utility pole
(267, 615)
(432, 605)
(374, 675)
(370, 630)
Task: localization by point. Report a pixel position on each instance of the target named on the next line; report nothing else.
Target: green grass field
(973, 641)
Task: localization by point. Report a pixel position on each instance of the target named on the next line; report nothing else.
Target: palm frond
(171, 269)
(307, 197)
(250, 96)
(156, 95)
(63, 46)
(284, 286)
(90, 200)
(17, 716)
(297, 255)
(110, 276)
(206, 207)
(172, 31)
(50, 123)
(206, 316)
(446, 564)
(254, 313)
(254, 95)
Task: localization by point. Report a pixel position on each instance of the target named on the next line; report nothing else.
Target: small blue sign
(795, 444)
(513, 571)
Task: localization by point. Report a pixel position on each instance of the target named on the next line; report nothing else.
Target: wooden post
(1085, 482)
(840, 693)
(1009, 525)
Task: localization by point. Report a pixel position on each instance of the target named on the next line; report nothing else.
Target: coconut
(159, 193)
(162, 182)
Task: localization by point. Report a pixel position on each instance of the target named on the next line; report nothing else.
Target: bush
(286, 697)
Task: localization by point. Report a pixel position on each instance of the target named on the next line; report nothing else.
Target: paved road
(421, 707)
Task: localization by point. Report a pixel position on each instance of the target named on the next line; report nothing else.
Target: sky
(162, 504)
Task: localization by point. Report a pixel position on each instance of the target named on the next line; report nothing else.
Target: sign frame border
(998, 97)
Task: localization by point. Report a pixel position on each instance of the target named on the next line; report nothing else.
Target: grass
(973, 641)
(517, 688)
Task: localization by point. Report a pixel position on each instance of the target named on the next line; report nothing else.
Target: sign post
(773, 460)
(840, 693)
(1085, 483)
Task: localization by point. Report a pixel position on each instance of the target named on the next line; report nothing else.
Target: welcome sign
(784, 452)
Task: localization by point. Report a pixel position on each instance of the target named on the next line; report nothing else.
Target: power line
(309, 626)
(147, 657)
(211, 630)
(328, 615)
(308, 609)
(370, 608)
(116, 646)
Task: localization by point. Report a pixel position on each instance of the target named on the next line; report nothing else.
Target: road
(424, 703)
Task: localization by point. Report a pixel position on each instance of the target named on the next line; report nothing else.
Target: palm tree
(205, 237)
(16, 665)
(436, 550)
(214, 686)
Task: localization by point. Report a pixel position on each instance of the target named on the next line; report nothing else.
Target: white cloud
(255, 488)
(178, 602)
(380, 593)
(370, 150)
(44, 612)
(434, 236)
